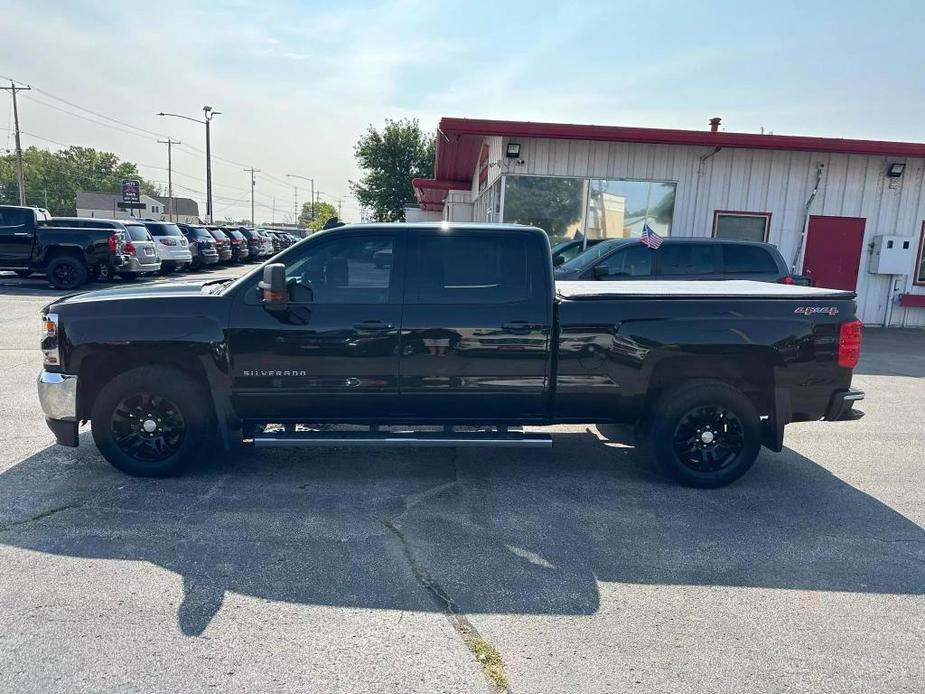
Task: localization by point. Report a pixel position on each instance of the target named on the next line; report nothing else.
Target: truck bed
(709, 289)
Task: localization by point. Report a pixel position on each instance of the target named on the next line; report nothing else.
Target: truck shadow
(497, 532)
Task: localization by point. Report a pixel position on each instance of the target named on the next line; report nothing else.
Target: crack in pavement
(485, 654)
(41, 516)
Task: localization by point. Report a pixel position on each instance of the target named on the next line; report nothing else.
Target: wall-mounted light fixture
(513, 150)
(895, 170)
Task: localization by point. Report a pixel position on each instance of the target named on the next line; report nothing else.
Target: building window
(919, 277)
(744, 226)
(568, 208)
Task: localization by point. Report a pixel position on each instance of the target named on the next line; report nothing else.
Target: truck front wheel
(151, 421)
(65, 272)
(704, 433)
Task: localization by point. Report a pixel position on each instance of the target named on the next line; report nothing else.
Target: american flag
(650, 238)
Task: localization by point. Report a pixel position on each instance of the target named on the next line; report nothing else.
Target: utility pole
(19, 177)
(253, 183)
(170, 203)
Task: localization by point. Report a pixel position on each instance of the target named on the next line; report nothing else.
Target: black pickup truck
(463, 333)
(68, 255)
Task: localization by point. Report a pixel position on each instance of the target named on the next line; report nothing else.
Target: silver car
(142, 252)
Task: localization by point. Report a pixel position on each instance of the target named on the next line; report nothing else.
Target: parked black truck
(68, 255)
(463, 328)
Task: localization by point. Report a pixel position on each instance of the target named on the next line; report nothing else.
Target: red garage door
(833, 251)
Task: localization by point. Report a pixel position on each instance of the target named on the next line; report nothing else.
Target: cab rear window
(748, 260)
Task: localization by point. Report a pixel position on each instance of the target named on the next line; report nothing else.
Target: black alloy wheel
(65, 272)
(709, 438)
(152, 421)
(704, 433)
(148, 427)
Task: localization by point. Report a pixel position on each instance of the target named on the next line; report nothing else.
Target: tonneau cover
(696, 289)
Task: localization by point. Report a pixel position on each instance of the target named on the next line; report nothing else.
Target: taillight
(787, 279)
(130, 247)
(167, 241)
(113, 243)
(849, 344)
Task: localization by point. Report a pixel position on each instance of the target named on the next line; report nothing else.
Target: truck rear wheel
(65, 272)
(151, 421)
(704, 433)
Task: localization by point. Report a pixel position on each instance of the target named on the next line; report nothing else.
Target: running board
(422, 439)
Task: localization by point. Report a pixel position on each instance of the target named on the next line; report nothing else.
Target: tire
(704, 433)
(173, 416)
(23, 273)
(103, 273)
(66, 272)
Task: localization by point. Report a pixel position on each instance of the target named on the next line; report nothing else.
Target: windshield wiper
(215, 286)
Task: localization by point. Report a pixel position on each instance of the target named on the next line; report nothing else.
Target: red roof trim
(567, 131)
(431, 193)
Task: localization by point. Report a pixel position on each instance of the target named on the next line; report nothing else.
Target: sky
(297, 83)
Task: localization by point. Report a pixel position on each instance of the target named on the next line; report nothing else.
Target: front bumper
(58, 398)
(841, 406)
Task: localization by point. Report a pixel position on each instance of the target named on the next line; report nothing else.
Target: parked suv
(256, 244)
(223, 245)
(678, 259)
(142, 252)
(172, 246)
(239, 247)
(201, 244)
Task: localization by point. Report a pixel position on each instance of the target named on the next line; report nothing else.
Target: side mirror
(557, 260)
(600, 271)
(273, 287)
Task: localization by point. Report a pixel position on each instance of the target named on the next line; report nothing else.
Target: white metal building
(823, 201)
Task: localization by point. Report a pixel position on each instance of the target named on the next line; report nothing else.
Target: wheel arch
(750, 371)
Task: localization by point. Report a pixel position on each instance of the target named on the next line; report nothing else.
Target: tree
(392, 158)
(53, 178)
(323, 212)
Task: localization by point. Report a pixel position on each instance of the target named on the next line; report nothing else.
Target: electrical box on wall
(892, 255)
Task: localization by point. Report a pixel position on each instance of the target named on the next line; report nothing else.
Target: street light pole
(210, 113)
(312, 181)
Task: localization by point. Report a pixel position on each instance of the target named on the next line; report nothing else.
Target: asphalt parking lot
(409, 570)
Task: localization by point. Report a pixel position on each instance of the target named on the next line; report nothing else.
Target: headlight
(50, 347)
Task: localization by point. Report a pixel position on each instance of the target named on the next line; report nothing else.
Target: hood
(155, 290)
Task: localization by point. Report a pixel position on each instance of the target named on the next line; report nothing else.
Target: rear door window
(15, 218)
(474, 269)
(687, 259)
(747, 260)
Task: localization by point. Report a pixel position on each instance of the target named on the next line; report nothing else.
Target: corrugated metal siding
(756, 181)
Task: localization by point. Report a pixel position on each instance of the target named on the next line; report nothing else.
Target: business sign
(131, 190)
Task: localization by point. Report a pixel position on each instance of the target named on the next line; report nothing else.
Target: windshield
(583, 259)
(137, 232)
